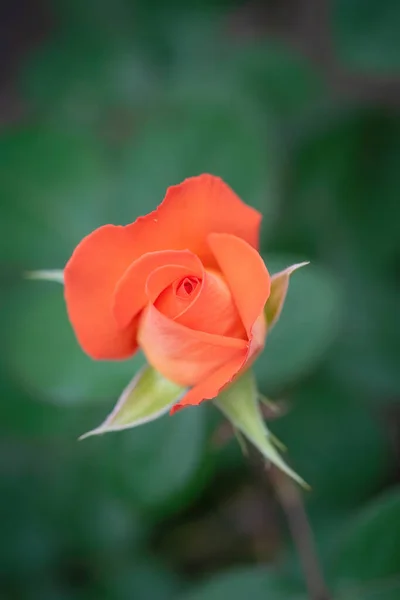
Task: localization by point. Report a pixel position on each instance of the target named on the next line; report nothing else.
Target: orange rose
(185, 283)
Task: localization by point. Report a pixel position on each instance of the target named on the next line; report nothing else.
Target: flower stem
(290, 499)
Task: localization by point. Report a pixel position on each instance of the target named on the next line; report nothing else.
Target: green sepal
(148, 397)
(279, 288)
(239, 404)
(56, 275)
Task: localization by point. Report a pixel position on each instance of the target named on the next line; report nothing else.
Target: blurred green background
(105, 103)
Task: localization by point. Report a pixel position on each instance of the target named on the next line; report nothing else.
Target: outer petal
(90, 277)
(212, 385)
(257, 340)
(246, 274)
(219, 379)
(130, 292)
(190, 211)
(249, 282)
(183, 355)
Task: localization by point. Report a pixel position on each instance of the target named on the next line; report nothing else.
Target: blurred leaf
(366, 34)
(210, 61)
(103, 527)
(366, 356)
(55, 190)
(307, 326)
(72, 519)
(23, 415)
(48, 588)
(239, 404)
(44, 354)
(29, 542)
(95, 17)
(255, 583)
(280, 78)
(157, 464)
(189, 140)
(369, 550)
(343, 185)
(142, 580)
(387, 589)
(337, 444)
(90, 79)
(148, 396)
(279, 288)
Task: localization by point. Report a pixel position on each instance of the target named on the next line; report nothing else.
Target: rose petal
(219, 379)
(164, 280)
(189, 212)
(90, 277)
(130, 293)
(213, 310)
(246, 274)
(183, 355)
(257, 340)
(212, 385)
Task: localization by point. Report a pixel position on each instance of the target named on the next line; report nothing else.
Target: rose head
(185, 283)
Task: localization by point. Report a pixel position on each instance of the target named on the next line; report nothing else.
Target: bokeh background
(105, 103)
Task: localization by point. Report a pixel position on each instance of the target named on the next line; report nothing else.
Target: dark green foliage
(120, 100)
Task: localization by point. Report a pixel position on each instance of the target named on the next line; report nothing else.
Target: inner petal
(146, 277)
(202, 303)
(213, 309)
(178, 296)
(185, 288)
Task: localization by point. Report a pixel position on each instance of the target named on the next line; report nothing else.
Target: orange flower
(185, 283)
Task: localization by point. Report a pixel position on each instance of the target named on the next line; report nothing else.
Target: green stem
(290, 499)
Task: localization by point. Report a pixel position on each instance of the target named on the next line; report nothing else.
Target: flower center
(186, 287)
